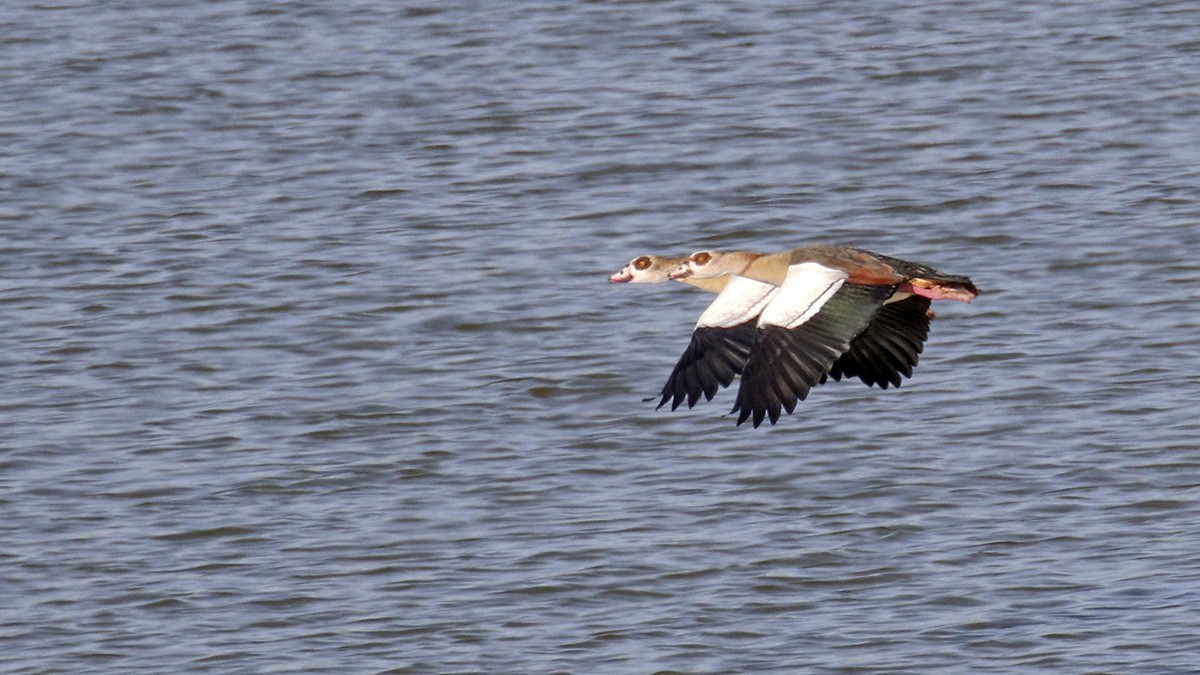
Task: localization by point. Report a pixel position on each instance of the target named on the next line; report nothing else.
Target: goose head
(647, 269)
(712, 264)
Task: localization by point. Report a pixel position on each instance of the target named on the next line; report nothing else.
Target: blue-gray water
(309, 361)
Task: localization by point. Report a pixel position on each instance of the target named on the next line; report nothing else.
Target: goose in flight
(887, 349)
(833, 311)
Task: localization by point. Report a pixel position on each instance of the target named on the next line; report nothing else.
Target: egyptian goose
(884, 351)
(827, 298)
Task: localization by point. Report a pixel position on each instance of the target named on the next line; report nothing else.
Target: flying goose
(827, 299)
(885, 350)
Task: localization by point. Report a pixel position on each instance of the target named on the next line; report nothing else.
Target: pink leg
(947, 292)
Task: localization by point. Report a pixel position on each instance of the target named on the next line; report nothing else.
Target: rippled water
(310, 362)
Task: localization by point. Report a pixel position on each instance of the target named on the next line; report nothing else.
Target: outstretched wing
(712, 360)
(720, 343)
(890, 345)
(801, 334)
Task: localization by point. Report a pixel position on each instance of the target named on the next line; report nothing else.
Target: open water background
(309, 362)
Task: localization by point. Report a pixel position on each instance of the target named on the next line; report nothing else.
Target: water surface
(310, 362)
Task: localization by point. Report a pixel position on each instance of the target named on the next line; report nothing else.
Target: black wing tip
(663, 401)
(888, 350)
(713, 359)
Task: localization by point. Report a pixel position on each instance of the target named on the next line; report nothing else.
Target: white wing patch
(742, 299)
(807, 287)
